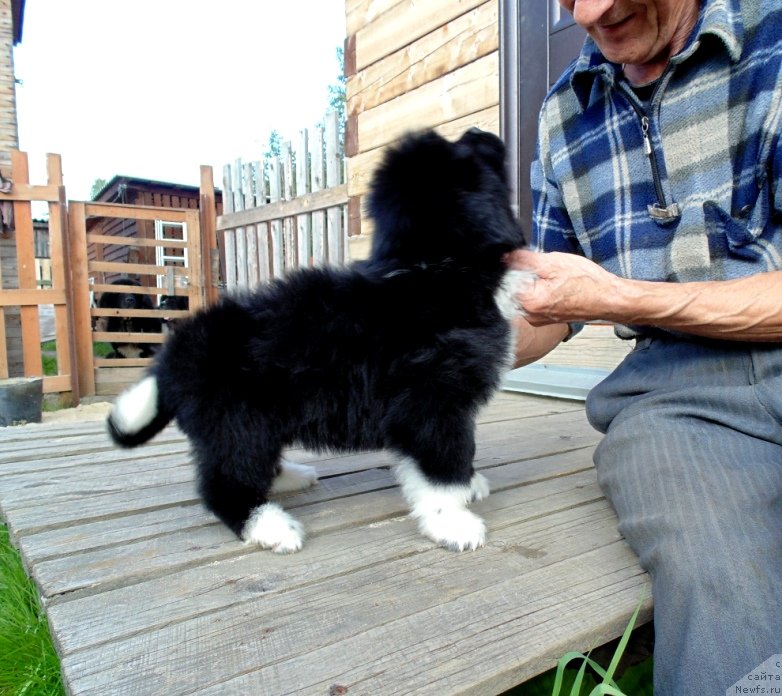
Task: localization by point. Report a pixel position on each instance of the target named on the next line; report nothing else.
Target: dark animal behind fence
(128, 301)
(172, 303)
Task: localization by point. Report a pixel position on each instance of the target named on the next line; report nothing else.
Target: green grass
(49, 358)
(568, 681)
(29, 665)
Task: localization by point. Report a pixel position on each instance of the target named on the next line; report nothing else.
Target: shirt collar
(719, 18)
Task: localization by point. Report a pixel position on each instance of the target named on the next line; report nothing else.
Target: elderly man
(658, 199)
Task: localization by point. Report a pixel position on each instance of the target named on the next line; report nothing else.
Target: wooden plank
(278, 209)
(362, 166)
(25, 192)
(34, 296)
(25, 258)
(335, 612)
(136, 290)
(303, 222)
(336, 229)
(595, 346)
(448, 47)
(63, 314)
(290, 259)
(465, 91)
(403, 23)
(358, 13)
(333, 556)
(275, 226)
(195, 279)
(161, 313)
(135, 212)
(93, 238)
(317, 182)
(123, 362)
(229, 250)
(53, 384)
(134, 268)
(208, 212)
(127, 337)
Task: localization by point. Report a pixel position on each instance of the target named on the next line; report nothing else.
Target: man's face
(636, 32)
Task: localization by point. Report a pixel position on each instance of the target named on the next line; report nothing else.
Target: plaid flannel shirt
(688, 187)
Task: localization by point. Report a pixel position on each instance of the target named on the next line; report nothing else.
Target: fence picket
(275, 194)
(333, 178)
(308, 232)
(317, 181)
(303, 222)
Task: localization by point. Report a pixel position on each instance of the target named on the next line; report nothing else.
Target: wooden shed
(126, 190)
(451, 65)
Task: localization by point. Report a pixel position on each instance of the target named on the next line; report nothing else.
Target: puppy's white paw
(270, 527)
(294, 477)
(441, 510)
(456, 529)
(513, 282)
(479, 487)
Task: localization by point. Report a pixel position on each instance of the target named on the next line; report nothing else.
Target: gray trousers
(692, 463)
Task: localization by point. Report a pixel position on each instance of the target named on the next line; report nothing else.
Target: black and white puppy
(124, 301)
(397, 352)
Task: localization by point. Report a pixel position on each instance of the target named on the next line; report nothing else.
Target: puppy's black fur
(395, 352)
(128, 300)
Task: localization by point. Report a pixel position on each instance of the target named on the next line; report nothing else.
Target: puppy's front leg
(441, 508)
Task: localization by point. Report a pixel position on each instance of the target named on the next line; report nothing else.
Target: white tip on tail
(135, 408)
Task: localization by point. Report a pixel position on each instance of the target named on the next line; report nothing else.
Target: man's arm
(533, 342)
(572, 288)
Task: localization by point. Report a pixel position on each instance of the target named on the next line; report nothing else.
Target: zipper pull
(645, 133)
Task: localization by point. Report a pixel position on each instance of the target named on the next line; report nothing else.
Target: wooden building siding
(10, 33)
(413, 65)
(131, 191)
(9, 135)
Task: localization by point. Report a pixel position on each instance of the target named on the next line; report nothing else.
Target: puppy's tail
(138, 414)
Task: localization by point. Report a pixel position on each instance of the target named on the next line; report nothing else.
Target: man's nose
(588, 12)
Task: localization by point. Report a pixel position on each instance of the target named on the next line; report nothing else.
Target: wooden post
(25, 256)
(211, 258)
(58, 251)
(336, 243)
(82, 326)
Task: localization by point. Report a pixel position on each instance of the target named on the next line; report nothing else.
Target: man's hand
(568, 287)
(572, 288)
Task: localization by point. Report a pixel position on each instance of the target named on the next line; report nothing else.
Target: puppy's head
(433, 200)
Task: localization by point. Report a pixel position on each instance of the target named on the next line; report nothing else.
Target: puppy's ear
(486, 146)
(466, 168)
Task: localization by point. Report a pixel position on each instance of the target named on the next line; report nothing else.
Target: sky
(155, 88)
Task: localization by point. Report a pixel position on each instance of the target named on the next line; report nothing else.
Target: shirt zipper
(660, 210)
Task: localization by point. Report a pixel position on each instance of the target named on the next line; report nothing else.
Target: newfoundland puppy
(396, 352)
(122, 301)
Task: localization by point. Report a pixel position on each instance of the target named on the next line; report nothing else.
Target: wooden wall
(9, 140)
(413, 65)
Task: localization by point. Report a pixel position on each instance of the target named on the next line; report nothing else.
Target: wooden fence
(24, 300)
(285, 212)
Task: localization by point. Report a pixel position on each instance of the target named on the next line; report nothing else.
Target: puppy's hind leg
(293, 477)
(235, 485)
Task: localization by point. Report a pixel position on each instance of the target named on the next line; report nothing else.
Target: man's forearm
(533, 342)
(746, 309)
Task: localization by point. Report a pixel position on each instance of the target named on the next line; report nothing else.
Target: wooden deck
(147, 594)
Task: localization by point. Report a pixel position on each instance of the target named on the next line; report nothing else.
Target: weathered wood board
(147, 594)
